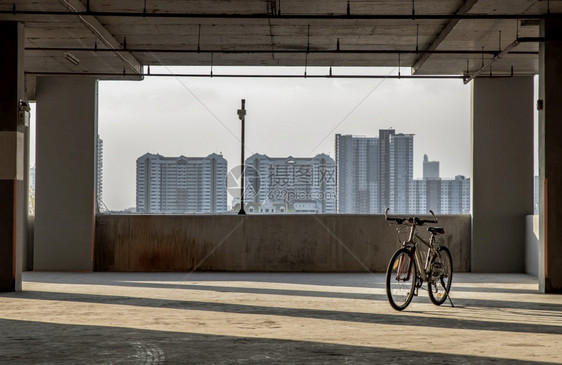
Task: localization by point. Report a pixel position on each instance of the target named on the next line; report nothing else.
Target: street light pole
(242, 116)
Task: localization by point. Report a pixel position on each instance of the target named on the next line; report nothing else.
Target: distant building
(99, 173)
(455, 195)
(442, 196)
(374, 173)
(536, 195)
(32, 173)
(290, 184)
(383, 170)
(401, 171)
(31, 192)
(430, 169)
(357, 160)
(182, 184)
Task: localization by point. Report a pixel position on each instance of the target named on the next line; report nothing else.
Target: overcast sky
(197, 116)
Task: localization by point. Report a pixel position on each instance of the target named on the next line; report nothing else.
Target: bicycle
(407, 269)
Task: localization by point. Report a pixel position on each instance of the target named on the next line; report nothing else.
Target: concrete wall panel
(313, 243)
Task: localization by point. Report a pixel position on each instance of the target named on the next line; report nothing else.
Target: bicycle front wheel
(441, 276)
(401, 279)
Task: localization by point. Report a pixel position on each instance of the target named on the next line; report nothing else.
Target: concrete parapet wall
(285, 243)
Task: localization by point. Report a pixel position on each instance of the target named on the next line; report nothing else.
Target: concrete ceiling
(129, 34)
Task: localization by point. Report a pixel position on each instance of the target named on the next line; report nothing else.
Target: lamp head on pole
(242, 112)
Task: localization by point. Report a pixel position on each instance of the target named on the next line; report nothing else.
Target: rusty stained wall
(284, 243)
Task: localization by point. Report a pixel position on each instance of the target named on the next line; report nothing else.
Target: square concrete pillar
(66, 173)
(502, 172)
(13, 188)
(550, 157)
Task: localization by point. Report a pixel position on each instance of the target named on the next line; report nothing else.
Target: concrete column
(550, 158)
(502, 172)
(66, 173)
(13, 190)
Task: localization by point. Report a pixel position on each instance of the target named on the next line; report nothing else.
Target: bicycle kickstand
(449, 296)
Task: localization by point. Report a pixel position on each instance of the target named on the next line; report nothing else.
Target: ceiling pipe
(289, 51)
(286, 16)
(469, 78)
(327, 76)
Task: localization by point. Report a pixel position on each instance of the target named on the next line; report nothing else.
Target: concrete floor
(256, 318)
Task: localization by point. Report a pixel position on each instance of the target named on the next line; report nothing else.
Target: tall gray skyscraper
(99, 173)
(401, 171)
(430, 169)
(181, 184)
(384, 168)
(374, 173)
(357, 160)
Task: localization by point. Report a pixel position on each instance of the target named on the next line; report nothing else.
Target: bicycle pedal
(416, 292)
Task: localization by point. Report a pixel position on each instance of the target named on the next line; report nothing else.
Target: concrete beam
(465, 8)
(93, 24)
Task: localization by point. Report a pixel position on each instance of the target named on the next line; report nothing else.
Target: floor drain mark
(148, 353)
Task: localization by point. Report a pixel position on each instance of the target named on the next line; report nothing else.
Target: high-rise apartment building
(374, 173)
(455, 195)
(430, 169)
(290, 185)
(181, 184)
(358, 161)
(442, 196)
(384, 168)
(401, 172)
(536, 195)
(99, 172)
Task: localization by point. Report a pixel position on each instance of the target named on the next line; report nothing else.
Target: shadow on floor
(380, 318)
(354, 280)
(183, 281)
(37, 342)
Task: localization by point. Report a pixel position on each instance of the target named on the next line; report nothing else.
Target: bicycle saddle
(436, 230)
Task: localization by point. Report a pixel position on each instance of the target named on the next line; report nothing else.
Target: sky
(176, 116)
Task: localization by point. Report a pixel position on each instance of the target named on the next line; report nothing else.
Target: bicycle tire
(400, 290)
(438, 290)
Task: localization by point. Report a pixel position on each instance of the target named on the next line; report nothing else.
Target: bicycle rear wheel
(401, 279)
(441, 276)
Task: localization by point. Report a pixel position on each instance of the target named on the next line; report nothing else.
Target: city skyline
(297, 117)
(422, 164)
(368, 175)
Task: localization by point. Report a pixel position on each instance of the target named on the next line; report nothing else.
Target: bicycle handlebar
(411, 220)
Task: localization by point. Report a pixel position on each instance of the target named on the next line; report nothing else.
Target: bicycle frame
(412, 243)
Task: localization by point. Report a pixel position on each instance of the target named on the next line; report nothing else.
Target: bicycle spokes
(399, 279)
